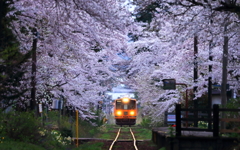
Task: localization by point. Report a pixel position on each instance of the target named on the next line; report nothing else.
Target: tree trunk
(33, 104)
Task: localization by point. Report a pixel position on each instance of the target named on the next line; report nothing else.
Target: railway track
(122, 141)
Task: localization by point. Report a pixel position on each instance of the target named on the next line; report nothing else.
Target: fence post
(215, 120)
(178, 119)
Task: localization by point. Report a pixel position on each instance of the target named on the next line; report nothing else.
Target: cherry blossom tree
(11, 60)
(76, 42)
(165, 48)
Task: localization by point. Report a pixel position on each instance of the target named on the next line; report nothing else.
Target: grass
(143, 133)
(12, 145)
(105, 136)
(90, 146)
(140, 133)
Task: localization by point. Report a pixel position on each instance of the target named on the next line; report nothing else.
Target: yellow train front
(125, 111)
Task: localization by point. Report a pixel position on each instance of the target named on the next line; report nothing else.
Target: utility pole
(224, 70)
(195, 77)
(224, 74)
(210, 86)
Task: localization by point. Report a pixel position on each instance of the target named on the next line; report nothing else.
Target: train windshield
(130, 105)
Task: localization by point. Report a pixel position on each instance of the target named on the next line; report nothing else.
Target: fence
(215, 119)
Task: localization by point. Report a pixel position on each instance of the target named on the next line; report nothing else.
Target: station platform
(191, 140)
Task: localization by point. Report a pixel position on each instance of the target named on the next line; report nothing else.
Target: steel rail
(115, 139)
(134, 139)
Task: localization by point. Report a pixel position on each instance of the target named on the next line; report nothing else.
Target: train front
(125, 111)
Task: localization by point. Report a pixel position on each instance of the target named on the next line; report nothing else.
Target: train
(125, 111)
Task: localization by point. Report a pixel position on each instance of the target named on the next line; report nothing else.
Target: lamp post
(170, 84)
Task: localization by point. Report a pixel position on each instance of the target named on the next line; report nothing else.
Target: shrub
(20, 126)
(232, 104)
(146, 122)
(65, 132)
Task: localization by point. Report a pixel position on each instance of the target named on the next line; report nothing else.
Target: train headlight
(125, 100)
(119, 113)
(132, 113)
